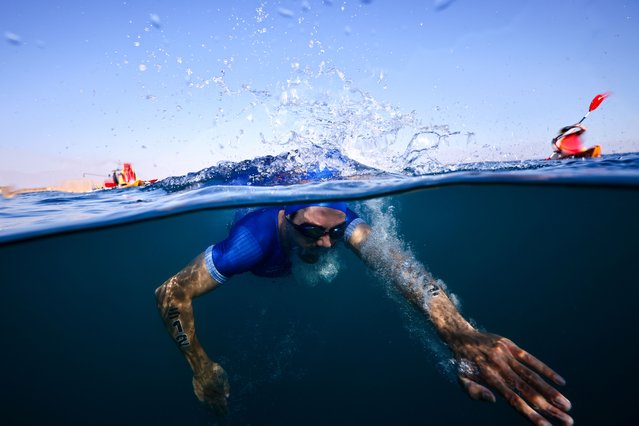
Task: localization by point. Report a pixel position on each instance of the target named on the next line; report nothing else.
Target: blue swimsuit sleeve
(238, 253)
(248, 244)
(353, 220)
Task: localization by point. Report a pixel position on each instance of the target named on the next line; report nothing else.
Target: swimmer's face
(309, 249)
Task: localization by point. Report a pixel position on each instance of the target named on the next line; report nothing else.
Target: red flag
(597, 101)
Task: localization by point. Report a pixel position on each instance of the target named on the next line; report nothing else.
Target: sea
(542, 252)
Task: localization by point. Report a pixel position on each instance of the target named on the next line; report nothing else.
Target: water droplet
(442, 4)
(13, 38)
(285, 13)
(155, 20)
(142, 67)
(261, 14)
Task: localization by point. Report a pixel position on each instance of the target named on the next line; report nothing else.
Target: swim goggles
(316, 232)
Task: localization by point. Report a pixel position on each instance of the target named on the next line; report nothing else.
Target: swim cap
(338, 205)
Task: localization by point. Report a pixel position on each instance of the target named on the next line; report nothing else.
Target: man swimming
(263, 243)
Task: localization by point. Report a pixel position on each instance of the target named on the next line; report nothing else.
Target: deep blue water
(541, 252)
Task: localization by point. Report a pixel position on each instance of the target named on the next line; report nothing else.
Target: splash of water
(322, 110)
(316, 107)
(311, 164)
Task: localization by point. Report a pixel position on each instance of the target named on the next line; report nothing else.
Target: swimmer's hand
(211, 386)
(490, 361)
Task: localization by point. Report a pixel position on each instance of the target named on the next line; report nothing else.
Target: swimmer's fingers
(520, 405)
(212, 388)
(525, 390)
(487, 361)
(475, 390)
(525, 385)
(526, 358)
(500, 377)
(496, 363)
(543, 388)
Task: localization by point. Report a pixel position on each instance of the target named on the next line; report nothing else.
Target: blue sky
(178, 86)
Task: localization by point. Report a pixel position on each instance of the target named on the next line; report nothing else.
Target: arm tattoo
(180, 338)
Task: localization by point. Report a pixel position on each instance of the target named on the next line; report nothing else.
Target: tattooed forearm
(175, 304)
(181, 338)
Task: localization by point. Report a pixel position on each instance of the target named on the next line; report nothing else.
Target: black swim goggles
(316, 232)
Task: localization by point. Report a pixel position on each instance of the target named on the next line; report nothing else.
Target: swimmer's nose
(324, 241)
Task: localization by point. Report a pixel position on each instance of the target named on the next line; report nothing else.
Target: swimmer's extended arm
(174, 301)
(484, 360)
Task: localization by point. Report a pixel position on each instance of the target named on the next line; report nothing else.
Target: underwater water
(542, 253)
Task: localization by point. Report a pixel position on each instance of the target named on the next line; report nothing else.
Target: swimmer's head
(327, 220)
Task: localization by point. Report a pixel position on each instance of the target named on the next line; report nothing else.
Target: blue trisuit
(253, 245)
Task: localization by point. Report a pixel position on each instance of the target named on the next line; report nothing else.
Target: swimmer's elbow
(161, 295)
(168, 293)
(191, 282)
(359, 236)
(160, 292)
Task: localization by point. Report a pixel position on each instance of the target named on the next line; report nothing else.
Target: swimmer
(264, 241)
